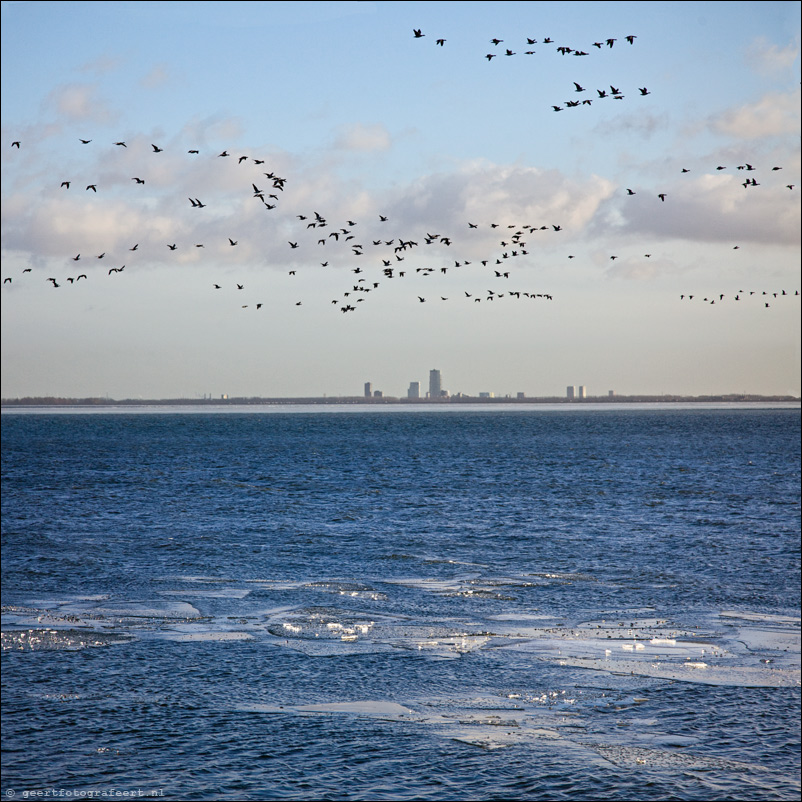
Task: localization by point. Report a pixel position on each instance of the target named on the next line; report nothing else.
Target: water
(387, 605)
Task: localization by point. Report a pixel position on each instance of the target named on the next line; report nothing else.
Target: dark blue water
(411, 605)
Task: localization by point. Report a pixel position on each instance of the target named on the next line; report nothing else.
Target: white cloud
(365, 138)
(157, 77)
(769, 59)
(80, 103)
(775, 114)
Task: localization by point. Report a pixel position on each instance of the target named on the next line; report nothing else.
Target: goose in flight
(85, 141)
(578, 87)
(232, 242)
(418, 33)
(65, 184)
(121, 144)
(156, 149)
(93, 187)
(15, 145)
(138, 180)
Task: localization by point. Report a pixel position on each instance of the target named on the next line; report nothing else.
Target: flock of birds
(392, 252)
(614, 92)
(530, 42)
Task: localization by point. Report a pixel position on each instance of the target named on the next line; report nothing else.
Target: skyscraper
(368, 390)
(435, 386)
(570, 392)
(414, 390)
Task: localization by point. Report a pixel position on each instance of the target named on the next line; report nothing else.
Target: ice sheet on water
(34, 640)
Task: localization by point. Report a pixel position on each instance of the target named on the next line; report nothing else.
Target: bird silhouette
(92, 187)
(232, 242)
(156, 149)
(65, 184)
(85, 141)
(15, 145)
(138, 180)
(418, 33)
(121, 144)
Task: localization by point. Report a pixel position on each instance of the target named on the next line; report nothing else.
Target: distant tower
(368, 390)
(570, 392)
(582, 391)
(435, 386)
(414, 390)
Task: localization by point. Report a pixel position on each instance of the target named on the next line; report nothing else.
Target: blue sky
(531, 227)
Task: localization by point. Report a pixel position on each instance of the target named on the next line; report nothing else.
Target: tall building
(582, 391)
(414, 390)
(368, 390)
(435, 385)
(570, 392)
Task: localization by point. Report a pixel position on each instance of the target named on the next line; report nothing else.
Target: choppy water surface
(378, 606)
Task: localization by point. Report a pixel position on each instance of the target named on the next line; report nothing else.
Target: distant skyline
(612, 199)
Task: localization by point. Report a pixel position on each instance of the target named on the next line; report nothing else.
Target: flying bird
(85, 141)
(440, 42)
(121, 144)
(156, 149)
(662, 196)
(15, 145)
(92, 187)
(644, 90)
(417, 32)
(232, 242)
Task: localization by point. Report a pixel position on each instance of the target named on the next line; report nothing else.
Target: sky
(390, 204)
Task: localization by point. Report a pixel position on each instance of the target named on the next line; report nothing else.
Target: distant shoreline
(48, 402)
